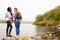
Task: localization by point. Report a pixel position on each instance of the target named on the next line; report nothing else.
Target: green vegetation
(50, 18)
(3, 21)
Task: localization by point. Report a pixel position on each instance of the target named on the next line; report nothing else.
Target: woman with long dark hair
(9, 20)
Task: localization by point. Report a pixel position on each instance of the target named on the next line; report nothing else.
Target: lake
(26, 29)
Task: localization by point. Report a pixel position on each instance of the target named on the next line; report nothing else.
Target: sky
(28, 8)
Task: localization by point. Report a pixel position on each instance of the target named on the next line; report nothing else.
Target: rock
(16, 38)
(12, 38)
(9, 38)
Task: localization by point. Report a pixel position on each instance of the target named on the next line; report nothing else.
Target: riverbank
(47, 36)
(50, 23)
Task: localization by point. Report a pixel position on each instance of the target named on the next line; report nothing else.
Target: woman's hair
(16, 9)
(8, 9)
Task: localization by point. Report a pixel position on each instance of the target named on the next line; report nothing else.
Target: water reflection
(44, 29)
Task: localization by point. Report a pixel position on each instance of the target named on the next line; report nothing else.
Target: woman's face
(10, 9)
(15, 10)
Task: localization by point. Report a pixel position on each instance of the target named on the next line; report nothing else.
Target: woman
(9, 20)
(17, 17)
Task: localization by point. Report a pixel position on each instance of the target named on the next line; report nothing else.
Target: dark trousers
(9, 28)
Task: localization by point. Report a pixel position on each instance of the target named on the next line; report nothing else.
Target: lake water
(25, 30)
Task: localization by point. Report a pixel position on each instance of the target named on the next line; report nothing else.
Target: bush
(41, 23)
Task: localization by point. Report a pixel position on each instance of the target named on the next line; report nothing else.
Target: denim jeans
(9, 25)
(17, 26)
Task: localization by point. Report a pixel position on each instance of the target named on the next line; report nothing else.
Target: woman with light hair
(17, 18)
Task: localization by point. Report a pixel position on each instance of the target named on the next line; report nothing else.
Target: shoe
(10, 36)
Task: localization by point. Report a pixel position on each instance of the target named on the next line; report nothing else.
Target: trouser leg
(10, 27)
(7, 28)
(17, 25)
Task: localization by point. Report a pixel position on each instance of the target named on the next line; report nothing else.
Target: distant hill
(4, 21)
